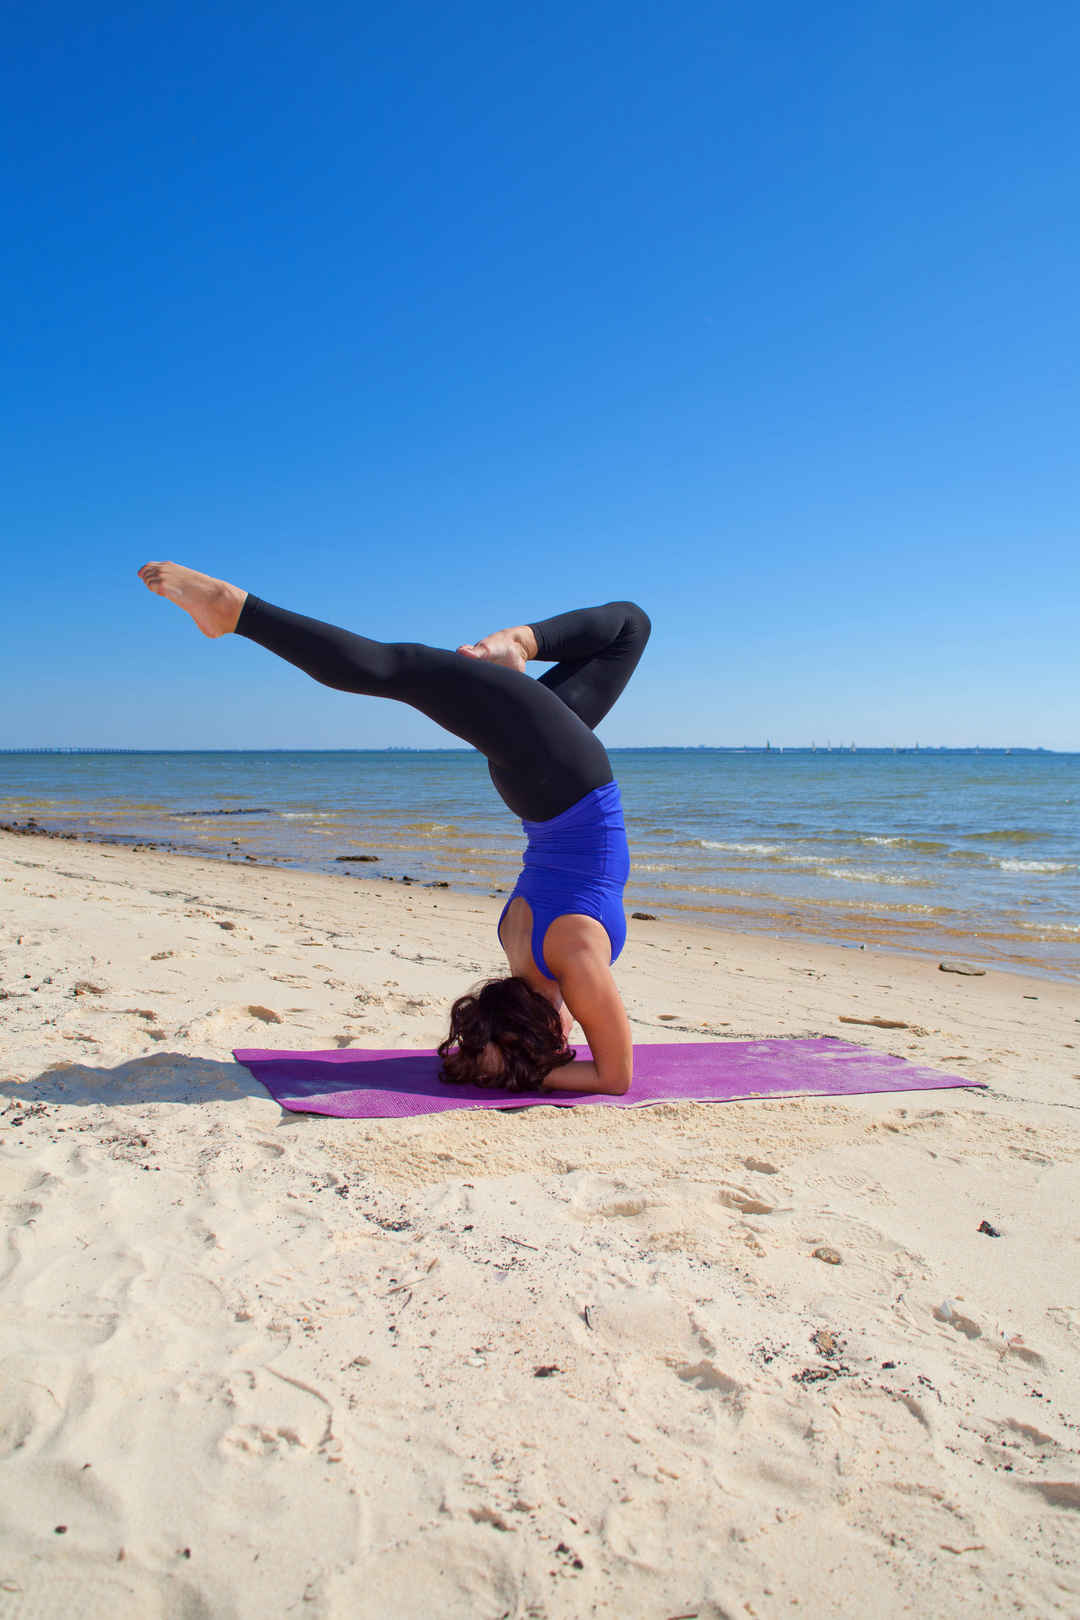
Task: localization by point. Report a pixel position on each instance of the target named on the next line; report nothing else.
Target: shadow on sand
(174, 1077)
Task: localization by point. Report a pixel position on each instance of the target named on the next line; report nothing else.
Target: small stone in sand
(991, 1231)
(84, 988)
(265, 1015)
(644, 916)
(962, 967)
(160, 956)
(830, 1256)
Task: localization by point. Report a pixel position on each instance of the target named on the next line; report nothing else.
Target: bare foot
(213, 604)
(511, 648)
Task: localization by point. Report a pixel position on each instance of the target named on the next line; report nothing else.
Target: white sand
(261, 1364)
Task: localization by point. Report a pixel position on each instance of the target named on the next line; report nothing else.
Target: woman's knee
(636, 622)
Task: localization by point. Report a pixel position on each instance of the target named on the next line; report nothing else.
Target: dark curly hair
(521, 1024)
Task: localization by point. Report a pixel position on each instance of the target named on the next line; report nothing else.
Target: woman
(563, 926)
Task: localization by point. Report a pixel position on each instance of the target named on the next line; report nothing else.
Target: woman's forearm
(583, 1075)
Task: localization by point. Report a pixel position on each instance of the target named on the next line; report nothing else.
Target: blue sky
(428, 319)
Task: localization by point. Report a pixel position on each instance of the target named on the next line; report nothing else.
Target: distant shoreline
(626, 748)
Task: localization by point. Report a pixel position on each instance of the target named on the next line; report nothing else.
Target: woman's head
(503, 1034)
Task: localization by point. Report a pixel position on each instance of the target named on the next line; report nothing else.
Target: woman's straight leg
(542, 757)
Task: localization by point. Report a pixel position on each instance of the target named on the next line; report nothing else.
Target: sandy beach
(548, 1364)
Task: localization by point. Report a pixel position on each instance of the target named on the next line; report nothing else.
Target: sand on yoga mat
(389, 1084)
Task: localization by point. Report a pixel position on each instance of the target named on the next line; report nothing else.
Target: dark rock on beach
(356, 857)
(644, 916)
(35, 830)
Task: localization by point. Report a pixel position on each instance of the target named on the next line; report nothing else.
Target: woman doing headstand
(563, 925)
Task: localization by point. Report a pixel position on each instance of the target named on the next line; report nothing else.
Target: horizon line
(618, 748)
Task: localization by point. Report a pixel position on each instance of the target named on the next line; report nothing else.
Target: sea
(971, 853)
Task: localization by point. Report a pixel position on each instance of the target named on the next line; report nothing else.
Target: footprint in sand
(747, 1203)
(27, 1406)
(1028, 1434)
(217, 1027)
(83, 1588)
(193, 1300)
(623, 1207)
(260, 1442)
(706, 1375)
(279, 1416)
(1063, 1493)
(948, 1313)
(1068, 1317)
(458, 1573)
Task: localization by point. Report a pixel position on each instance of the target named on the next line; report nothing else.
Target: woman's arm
(589, 990)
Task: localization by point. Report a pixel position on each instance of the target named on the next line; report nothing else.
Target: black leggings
(536, 735)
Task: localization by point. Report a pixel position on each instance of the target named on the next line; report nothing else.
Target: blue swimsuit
(578, 862)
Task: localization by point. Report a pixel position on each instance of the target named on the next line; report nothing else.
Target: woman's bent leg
(597, 649)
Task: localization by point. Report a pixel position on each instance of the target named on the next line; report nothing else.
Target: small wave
(917, 910)
(849, 876)
(1007, 835)
(1013, 865)
(924, 846)
(739, 849)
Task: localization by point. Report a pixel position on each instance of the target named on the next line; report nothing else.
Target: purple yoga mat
(354, 1084)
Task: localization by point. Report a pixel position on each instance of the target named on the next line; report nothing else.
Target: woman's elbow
(617, 1084)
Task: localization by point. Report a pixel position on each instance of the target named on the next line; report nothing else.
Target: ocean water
(973, 853)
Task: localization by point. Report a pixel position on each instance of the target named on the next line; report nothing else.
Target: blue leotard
(578, 862)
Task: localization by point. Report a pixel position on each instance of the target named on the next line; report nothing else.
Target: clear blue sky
(431, 318)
